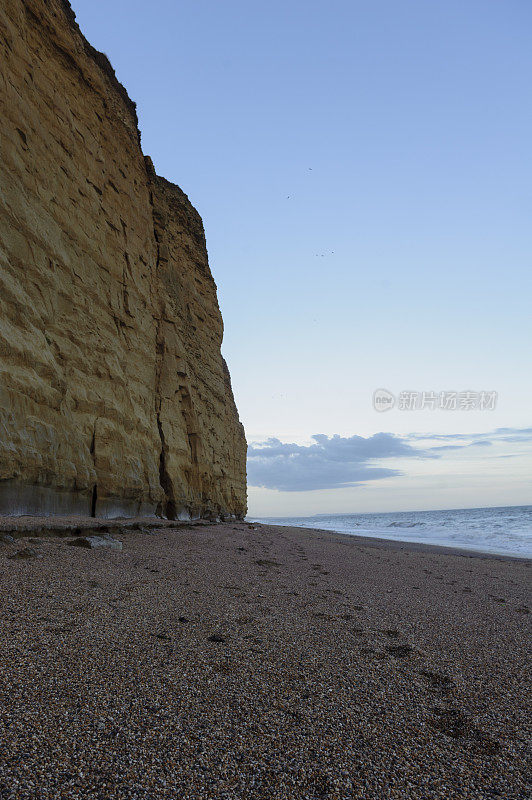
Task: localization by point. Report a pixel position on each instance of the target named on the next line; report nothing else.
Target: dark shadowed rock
(26, 552)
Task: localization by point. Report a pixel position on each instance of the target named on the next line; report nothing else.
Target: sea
(506, 530)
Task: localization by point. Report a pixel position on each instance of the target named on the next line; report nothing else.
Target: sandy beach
(250, 661)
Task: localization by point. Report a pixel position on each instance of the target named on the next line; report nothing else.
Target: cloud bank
(336, 462)
(329, 463)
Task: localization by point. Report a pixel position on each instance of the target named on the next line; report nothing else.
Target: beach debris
(5, 538)
(96, 542)
(183, 620)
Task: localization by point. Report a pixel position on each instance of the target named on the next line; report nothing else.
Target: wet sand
(253, 661)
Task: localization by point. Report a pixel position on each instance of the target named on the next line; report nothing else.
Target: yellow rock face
(114, 396)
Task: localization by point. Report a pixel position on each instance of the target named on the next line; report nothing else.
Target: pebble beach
(252, 661)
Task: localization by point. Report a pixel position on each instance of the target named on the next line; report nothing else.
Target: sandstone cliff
(114, 397)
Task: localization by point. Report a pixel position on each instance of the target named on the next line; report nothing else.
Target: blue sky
(363, 172)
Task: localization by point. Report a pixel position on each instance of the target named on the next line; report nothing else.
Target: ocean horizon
(505, 530)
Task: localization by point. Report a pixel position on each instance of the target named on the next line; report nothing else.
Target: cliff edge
(114, 397)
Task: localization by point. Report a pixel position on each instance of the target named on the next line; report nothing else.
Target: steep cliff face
(114, 397)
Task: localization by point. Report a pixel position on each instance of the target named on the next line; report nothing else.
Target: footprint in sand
(400, 650)
(438, 681)
(457, 725)
(392, 633)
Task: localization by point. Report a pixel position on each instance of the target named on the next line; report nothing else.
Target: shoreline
(238, 661)
(402, 544)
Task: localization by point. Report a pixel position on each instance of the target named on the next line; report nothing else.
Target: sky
(363, 172)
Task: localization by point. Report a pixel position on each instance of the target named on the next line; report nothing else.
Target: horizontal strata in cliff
(114, 396)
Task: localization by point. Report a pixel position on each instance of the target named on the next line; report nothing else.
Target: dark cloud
(329, 463)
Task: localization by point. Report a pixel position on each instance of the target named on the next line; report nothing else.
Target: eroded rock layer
(114, 396)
